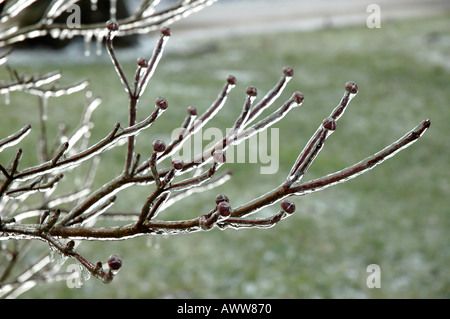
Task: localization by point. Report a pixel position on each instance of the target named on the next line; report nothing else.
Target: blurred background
(395, 216)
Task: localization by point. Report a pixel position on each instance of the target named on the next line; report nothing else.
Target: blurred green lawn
(395, 216)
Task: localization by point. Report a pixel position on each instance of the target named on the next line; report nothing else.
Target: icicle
(153, 242)
(65, 34)
(55, 33)
(149, 242)
(44, 101)
(112, 9)
(99, 36)
(93, 5)
(157, 244)
(99, 42)
(80, 274)
(7, 98)
(87, 43)
(52, 254)
(62, 259)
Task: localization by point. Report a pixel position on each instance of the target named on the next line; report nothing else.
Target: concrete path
(231, 17)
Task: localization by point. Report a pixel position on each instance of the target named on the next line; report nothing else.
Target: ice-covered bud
(224, 209)
(161, 103)
(192, 110)
(251, 90)
(207, 222)
(288, 71)
(69, 246)
(222, 198)
(219, 157)
(98, 267)
(165, 31)
(288, 206)
(159, 146)
(351, 87)
(142, 62)
(298, 97)
(112, 25)
(114, 262)
(177, 163)
(231, 79)
(329, 123)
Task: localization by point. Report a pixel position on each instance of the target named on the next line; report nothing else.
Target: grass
(396, 216)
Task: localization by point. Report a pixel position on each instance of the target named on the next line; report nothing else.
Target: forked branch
(65, 220)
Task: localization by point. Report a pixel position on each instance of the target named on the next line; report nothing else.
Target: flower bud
(112, 25)
(165, 31)
(231, 79)
(288, 71)
(351, 87)
(114, 262)
(205, 223)
(161, 103)
(159, 146)
(298, 97)
(329, 123)
(222, 198)
(142, 62)
(177, 163)
(219, 157)
(251, 90)
(224, 209)
(192, 110)
(288, 206)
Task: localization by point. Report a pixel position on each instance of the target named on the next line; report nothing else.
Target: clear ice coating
(52, 253)
(85, 274)
(145, 19)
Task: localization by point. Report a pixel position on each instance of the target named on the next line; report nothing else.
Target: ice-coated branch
(14, 138)
(145, 19)
(63, 220)
(315, 144)
(284, 190)
(365, 165)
